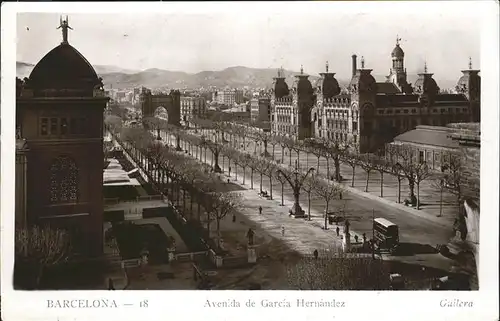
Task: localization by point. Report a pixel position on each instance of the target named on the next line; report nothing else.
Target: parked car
(334, 218)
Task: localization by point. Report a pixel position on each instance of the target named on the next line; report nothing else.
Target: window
(397, 111)
(53, 126)
(44, 130)
(421, 156)
(381, 111)
(406, 111)
(63, 180)
(389, 111)
(414, 111)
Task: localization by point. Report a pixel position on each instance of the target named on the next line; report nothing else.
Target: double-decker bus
(386, 233)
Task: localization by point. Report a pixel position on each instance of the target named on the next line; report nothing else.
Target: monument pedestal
(298, 212)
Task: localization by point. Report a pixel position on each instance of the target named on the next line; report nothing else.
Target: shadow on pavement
(406, 249)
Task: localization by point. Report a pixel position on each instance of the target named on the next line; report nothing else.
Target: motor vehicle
(334, 218)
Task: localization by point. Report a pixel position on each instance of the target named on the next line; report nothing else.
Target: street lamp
(296, 179)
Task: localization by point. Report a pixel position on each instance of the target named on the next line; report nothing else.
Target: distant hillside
(24, 69)
(239, 76)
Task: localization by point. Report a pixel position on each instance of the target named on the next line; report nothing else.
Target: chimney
(354, 64)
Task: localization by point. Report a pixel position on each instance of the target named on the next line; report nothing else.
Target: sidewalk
(429, 196)
(301, 235)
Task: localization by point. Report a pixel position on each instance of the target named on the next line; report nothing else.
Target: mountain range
(235, 77)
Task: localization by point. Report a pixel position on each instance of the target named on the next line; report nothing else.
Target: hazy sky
(260, 38)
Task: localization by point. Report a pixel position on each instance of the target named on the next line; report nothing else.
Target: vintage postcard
(340, 152)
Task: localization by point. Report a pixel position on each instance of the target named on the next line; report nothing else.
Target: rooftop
(429, 135)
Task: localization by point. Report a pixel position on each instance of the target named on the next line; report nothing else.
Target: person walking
(356, 238)
(364, 237)
(315, 253)
(260, 210)
(234, 217)
(282, 230)
(338, 230)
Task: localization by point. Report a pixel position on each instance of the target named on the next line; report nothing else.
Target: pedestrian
(234, 218)
(356, 238)
(338, 230)
(260, 210)
(229, 170)
(340, 195)
(111, 286)
(364, 237)
(228, 180)
(290, 213)
(282, 230)
(315, 253)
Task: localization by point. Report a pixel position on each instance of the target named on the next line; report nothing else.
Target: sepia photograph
(325, 154)
(226, 155)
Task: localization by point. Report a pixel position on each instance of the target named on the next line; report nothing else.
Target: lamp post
(296, 179)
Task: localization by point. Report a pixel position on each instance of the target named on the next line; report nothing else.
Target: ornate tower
(59, 114)
(397, 74)
(279, 91)
(327, 87)
(470, 86)
(363, 89)
(304, 99)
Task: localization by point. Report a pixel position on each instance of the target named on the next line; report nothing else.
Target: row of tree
(180, 177)
(400, 161)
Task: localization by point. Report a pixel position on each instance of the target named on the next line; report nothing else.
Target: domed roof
(363, 81)
(281, 88)
(397, 52)
(468, 79)
(330, 87)
(304, 86)
(425, 84)
(63, 68)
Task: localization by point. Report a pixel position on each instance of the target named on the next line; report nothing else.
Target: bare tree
(308, 187)
(253, 164)
(244, 161)
(335, 149)
(273, 141)
(422, 172)
(315, 148)
(382, 165)
(397, 170)
(39, 248)
(223, 204)
(335, 270)
(351, 158)
(270, 172)
(327, 190)
(262, 166)
(415, 172)
(366, 161)
(282, 181)
(263, 138)
(154, 123)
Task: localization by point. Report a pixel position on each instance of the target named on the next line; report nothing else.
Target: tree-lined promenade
(218, 153)
(247, 167)
(400, 176)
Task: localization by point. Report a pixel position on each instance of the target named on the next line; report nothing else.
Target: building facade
(264, 110)
(229, 96)
(292, 108)
(370, 114)
(192, 107)
(59, 161)
(254, 109)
